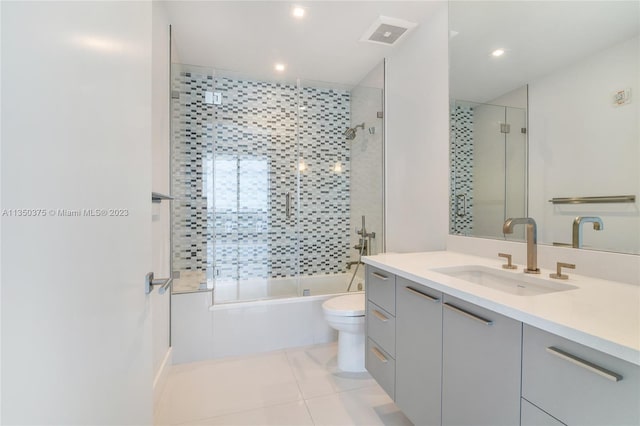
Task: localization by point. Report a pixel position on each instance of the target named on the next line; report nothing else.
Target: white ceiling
(539, 36)
(249, 37)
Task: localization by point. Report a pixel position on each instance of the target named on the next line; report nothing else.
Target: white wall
(417, 139)
(581, 145)
(76, 335)
(160, 218)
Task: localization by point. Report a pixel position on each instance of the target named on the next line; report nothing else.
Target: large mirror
(545, 120)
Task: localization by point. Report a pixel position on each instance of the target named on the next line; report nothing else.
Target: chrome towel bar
(593, 200)
(150, 282)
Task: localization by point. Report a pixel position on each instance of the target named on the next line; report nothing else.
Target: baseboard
(161, 377)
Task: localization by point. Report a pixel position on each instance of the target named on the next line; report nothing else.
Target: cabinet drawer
(381, 327)
(577, 384)
(381, 289)
(533, 416)
(381, 366)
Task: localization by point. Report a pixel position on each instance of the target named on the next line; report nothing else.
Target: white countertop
(603, 315)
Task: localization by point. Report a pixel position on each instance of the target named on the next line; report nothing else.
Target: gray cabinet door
(481, 366)
(577, 384)
(533, 416)
(418, 352)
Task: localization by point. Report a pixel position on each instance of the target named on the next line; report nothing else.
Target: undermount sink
(512, 282)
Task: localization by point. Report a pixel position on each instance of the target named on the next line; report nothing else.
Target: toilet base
(351, 352)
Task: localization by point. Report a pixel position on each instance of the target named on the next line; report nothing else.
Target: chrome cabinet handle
(600, 371)
(468, 314)
(419, 293)
(378, 354)
(378, 275)
(380, 315)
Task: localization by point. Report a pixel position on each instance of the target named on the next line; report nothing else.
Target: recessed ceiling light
(498, 52)
(279, 67)
(298, 12)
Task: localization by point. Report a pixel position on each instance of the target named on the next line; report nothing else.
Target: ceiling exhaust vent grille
(387, 30)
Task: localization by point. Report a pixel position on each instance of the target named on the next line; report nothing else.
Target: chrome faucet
(354, 262)
(577, 228)
(532, 240)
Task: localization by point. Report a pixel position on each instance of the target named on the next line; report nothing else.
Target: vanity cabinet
(481, 363)
(445, 361)
(577, 384)
(418, 352)
(380, 323)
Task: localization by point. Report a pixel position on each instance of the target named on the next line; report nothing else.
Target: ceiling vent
(387, 31)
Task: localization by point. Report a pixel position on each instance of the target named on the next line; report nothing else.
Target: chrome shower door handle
(287, 205)
(461, 199)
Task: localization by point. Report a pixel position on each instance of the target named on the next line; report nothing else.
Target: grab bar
(594, 200)
(150, 282)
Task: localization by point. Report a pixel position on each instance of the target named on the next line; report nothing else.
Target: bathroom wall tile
(250, 145)
(461, 152)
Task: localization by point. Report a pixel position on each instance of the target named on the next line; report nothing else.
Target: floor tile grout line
(299, 388)
(245, 359)
(188, 422)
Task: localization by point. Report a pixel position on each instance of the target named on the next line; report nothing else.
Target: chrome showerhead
(350, 133)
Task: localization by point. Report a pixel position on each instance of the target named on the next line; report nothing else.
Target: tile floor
(300, 386)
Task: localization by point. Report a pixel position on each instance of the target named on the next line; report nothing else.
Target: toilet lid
(351, 305)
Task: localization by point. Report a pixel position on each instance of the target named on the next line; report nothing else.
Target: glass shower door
(489, 168)
(254, 190)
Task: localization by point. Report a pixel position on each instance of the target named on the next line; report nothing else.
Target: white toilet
(346, 314)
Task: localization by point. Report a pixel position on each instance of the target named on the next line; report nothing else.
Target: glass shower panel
(324, 181)
(265, 203)
(516, 165)
(192, 181)
(488, 168)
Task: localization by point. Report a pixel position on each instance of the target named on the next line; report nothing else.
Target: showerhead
(350, 133)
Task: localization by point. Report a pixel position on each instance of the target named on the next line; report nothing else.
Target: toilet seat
(351, 305)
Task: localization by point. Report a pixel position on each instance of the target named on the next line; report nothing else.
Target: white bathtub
(266, 288)
(275, 318)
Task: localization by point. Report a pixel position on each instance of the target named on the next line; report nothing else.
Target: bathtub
(254, 316)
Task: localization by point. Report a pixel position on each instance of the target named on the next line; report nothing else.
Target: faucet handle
(559, 275)
(508, 264)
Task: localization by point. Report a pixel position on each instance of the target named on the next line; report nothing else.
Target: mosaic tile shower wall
(461, 158)
(233, 165)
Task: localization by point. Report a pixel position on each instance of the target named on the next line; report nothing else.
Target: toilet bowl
(346, 314)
